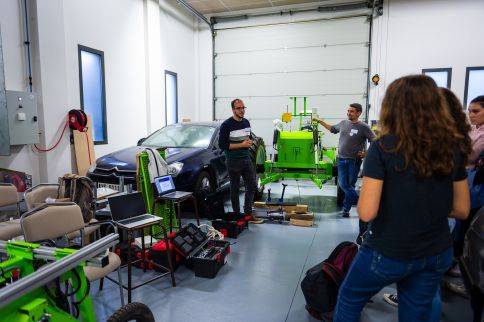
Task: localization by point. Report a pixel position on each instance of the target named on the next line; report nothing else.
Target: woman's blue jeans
(417, 284)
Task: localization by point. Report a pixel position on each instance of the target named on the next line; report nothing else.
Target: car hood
(125, 159)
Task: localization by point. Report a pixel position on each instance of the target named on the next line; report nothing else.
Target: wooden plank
(305, 220)
(297, 208)
(84, 148)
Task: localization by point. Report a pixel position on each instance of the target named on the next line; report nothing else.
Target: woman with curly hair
(413, 178)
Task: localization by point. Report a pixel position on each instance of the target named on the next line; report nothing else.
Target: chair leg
(101, 283)
(120, 283)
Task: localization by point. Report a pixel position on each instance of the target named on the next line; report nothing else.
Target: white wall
(119, 33)
(140, 39)
(179, 55)
(414, 34)
(205, 81)
(15, 71)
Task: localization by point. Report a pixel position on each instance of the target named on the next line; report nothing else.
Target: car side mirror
(140, 141)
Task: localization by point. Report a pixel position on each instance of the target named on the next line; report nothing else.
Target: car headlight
(175, 168)
(92, 168)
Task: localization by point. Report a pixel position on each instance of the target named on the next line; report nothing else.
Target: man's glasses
(240, 108)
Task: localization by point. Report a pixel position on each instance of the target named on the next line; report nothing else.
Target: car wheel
(258, 157)
(138, 312)
(204, 187)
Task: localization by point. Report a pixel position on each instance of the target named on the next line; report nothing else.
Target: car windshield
(181, 136)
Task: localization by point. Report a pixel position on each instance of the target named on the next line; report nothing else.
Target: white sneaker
(391, 299)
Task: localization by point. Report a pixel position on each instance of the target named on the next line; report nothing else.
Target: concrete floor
(261, 281)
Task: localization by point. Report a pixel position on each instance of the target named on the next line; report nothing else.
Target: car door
(218, 161)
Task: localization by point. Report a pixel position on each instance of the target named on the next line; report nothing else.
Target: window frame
(466, 88)
(80, 49)
(433, 70)
(167, 72)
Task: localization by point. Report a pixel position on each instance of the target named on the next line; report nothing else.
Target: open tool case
(205, 254)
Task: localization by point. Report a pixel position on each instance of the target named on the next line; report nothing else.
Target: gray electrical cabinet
(23, 122)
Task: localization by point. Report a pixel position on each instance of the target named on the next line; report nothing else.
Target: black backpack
(321, 284)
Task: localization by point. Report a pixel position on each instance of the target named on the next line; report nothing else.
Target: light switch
(21, 116)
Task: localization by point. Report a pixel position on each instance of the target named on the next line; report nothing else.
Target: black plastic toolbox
(206, 255)
(231, 224)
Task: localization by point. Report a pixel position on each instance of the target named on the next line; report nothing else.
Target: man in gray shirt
(351, 149)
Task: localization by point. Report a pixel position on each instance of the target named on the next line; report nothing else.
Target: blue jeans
(347, 176)
(417, 284)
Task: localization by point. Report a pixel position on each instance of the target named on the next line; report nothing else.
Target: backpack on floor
(321, 284)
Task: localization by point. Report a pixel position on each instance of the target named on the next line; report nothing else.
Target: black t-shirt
(412, 217)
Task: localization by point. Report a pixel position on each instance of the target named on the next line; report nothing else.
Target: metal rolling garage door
(324, 60)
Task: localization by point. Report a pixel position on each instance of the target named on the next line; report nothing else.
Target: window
(171, 98)
(93, 95)
(441, 76)
(474, 83)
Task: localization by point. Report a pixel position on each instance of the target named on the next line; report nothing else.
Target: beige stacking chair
(38, 195)
(53, 220)
(8, 196)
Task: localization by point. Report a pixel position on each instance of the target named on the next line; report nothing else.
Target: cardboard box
(304, 220)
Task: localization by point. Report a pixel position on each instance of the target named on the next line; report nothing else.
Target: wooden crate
(287, 209)
(305, 220)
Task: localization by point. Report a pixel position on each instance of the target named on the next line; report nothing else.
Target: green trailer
(298, 154)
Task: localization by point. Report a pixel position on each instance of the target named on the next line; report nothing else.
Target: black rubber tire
(203, 187)
(135, 311)
(258, 156)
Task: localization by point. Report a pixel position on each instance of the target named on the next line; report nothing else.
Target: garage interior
(136, 66)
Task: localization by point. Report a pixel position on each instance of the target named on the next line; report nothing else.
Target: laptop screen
(126, 206)
(164, 185)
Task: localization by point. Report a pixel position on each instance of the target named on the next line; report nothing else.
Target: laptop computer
(166, 188)
(129, 211)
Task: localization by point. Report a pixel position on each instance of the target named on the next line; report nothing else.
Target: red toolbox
(231, 224)
(206, 255)
(158, 254)
(141, 264)
(121, 249)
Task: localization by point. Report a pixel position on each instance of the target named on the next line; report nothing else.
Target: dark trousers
(236, 169)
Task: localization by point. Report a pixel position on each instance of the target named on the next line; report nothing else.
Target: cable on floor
(212, 232)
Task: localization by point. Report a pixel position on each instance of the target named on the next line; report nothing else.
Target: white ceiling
(212, 7)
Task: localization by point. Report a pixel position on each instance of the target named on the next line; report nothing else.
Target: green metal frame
(36, 304)
(163, 210)
(296, 157)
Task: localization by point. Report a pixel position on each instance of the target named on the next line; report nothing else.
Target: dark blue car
(195, 161)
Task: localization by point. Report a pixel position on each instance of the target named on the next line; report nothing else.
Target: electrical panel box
(23, 122)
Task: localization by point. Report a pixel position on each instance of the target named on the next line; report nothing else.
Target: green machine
(298, 153)
(31, 275)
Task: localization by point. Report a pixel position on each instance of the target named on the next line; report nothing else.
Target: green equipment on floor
(163, 210)
(31, 278)
(297, 152)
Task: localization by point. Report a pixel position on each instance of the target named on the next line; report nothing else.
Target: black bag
(321, 284)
